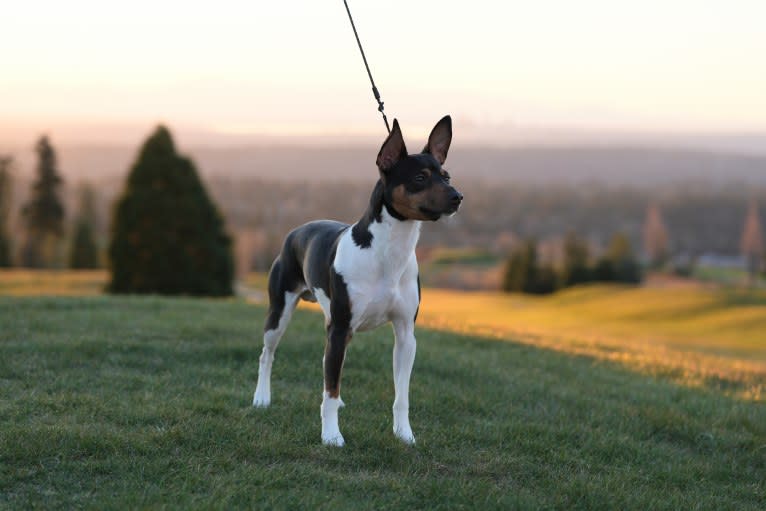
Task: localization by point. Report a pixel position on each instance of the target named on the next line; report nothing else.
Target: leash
(374, 89)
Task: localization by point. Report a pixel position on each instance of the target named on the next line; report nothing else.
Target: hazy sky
(292, 67)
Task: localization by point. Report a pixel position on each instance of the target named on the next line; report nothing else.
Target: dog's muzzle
(455, 199)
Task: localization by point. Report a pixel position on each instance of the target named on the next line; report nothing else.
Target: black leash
(374, 89)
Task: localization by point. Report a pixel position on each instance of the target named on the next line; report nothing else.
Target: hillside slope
(145, 402)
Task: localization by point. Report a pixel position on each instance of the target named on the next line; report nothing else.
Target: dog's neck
(381, 228)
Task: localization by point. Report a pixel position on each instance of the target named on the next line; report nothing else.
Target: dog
(364, 275)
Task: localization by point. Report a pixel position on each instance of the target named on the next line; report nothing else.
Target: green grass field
(145, 403)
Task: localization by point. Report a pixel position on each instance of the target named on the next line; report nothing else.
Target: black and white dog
(365, 274)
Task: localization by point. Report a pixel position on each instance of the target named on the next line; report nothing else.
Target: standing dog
(365, 274)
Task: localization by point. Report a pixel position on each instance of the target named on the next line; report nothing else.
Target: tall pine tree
(43, 214)
(576, 267)
(167, 235)
(5, 206)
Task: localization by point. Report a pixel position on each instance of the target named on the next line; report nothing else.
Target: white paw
(405, 435)
(333, 440)
(261, 399)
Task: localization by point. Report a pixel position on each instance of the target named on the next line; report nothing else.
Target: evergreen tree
(515, 272)
(576, 258)
(167, 235)
(5, 206)
(546, 280)
(44, 213)
(625, 268)
(604, 270)
(84, 251)
(522, 273)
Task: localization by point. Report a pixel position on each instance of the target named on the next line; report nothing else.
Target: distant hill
(613, 165)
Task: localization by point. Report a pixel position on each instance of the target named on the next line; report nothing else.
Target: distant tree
(625, 267)
(43, 214)
(655, 236)
(5, 205)
(522, 273)
(84, 250)
(517, 268)
(752, 241)
(545, 281)
(603, 271)
(167, 234)
(576, 269)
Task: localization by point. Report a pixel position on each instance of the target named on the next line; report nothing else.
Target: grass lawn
(710, 337)
(145, 403)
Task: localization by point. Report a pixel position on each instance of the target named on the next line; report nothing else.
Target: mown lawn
(145, 403)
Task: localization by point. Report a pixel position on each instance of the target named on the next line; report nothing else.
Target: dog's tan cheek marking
(407, 204)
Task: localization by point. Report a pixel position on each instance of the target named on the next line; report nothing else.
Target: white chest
(381, 280)
(372, 306)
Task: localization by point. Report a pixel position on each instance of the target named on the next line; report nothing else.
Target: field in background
(52, 282)
(694, 335)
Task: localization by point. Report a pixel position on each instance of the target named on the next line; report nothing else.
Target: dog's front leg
(335, 351)
(404, 358)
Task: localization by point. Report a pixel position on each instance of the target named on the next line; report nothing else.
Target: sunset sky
(292, 68)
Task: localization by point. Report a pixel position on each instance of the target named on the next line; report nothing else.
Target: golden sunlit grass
(696, 336)
(52, 282)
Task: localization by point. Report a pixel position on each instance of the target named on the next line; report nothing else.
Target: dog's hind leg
(282, 303)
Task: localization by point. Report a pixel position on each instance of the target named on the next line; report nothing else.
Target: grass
(145, 403)
(464, 256)
(51, 282)
(696, 336)
(731, 276)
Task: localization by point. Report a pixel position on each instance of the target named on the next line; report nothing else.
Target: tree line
(524, 271)
(166, 234)
(663, 223)
(43, 217)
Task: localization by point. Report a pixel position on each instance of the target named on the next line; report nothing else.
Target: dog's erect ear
(439, 139)
(393, 149)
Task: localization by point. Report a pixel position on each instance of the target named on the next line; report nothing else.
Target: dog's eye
(446, 177)
(420, 177)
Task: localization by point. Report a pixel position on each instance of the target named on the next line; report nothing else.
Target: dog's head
(416, 186)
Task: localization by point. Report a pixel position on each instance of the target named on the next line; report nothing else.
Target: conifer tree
(518, 268)
(5, 206)
(524, 274)
(576, 269)
(44, 213)
(624, 265)
(167, 235)
(84, 250)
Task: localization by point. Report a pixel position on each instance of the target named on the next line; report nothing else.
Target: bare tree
(752, 241)
(655, 236)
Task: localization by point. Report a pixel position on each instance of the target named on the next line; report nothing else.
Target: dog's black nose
(456, 198)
